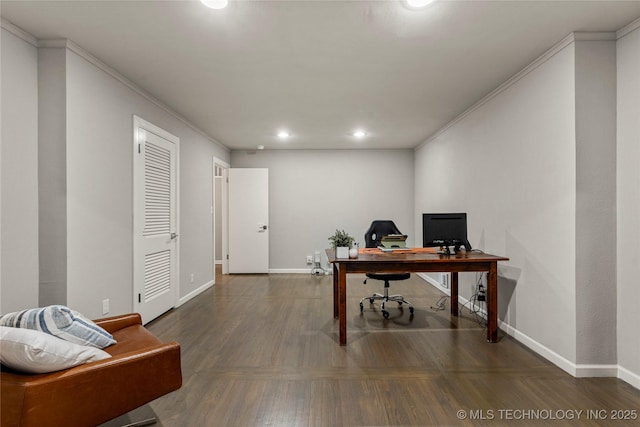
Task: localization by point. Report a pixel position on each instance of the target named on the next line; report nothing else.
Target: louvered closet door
(155, 246)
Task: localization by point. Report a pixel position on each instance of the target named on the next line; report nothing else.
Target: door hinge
(139, 148)
(139, 298)
(227, 257)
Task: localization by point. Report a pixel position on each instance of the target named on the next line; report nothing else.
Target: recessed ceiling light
(283, 134)
(359, 133)
(215, 4)
(260, 147)
(417, 4)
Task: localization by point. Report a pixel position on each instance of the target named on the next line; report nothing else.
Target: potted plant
(341, 242)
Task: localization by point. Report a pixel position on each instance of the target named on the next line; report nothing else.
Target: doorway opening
(220, 216)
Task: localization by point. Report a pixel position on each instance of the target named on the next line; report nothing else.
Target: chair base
(386, 298)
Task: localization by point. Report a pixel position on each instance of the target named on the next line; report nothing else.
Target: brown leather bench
(140, 370)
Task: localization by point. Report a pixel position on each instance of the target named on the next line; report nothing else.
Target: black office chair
(372, 237)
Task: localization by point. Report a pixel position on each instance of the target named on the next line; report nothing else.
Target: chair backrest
(377, 230)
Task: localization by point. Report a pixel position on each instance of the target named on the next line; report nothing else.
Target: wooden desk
(416, 262)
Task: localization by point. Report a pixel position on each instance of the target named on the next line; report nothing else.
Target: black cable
(440, 304)
(475, 304)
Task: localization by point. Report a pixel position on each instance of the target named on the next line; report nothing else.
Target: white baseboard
(587, 371)
(553, 357)
(195, 293)
(576, 370)
(294, 271)
(434, 283)
(629, 377)
(289, 270)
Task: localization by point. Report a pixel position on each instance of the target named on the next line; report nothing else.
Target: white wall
(595, 69)
(52, 175)
(628, 202)
(85, 217)
(19, 173)
(313, 193)
(510, 164)
(100, 111)
(536, 162)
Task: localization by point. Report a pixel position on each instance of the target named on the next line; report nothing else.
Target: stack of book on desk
(393, 242)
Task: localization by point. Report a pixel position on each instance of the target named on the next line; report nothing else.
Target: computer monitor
(445, 229)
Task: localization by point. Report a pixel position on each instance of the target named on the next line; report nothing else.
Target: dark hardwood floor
(262, 350)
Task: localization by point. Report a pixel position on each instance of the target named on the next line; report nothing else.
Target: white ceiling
(318, 68)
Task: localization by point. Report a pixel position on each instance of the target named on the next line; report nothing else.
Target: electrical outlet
(309, 259)
(105, 306)
(482, 296)
(444, 280)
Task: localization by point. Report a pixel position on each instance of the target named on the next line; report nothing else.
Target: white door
(155, 220)
(248, 220)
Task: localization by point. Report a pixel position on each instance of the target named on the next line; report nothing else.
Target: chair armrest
(115, 323)
(95, 392)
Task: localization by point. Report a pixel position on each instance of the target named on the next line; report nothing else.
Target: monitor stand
(445, 250)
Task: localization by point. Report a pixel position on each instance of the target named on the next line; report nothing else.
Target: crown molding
(73, 47)
(628, 28)
(568, 40)
(78, 50)
(18, 32)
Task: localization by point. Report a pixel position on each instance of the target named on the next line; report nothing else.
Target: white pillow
(37, 352)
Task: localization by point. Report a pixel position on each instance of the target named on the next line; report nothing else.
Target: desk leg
(336, 309)
(454, 293)
(492, 303)
(342, 303)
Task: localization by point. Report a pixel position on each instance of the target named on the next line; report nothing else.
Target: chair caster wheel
(361, 307)
(411, 310)
(385, 314)
(371, 300)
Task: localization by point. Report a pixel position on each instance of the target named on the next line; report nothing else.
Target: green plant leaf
(341, 238)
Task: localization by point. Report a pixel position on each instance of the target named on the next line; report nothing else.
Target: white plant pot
(342, 252)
